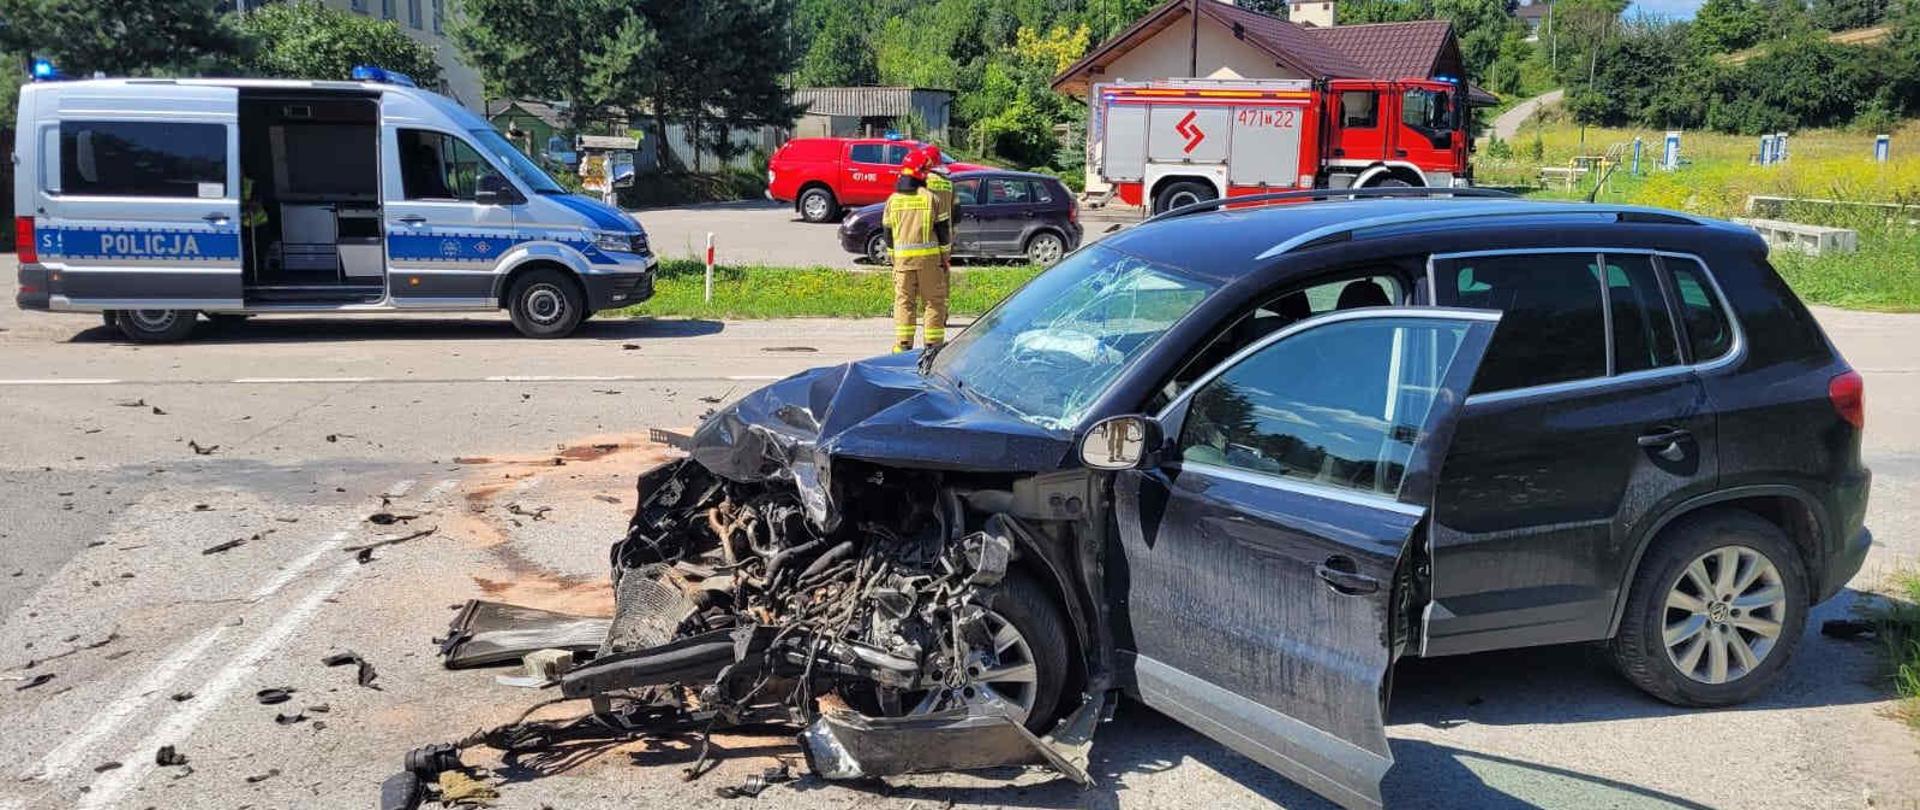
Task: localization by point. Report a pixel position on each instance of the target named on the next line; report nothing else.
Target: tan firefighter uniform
(942, 189)
(919, 270)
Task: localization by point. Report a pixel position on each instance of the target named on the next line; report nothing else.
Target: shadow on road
(356, 328)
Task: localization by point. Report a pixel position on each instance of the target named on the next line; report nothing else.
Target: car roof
(424, 97)
(1003, 173)
(1228, 243)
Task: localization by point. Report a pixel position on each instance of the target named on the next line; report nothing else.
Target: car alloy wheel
(878, 251)
(1724, 614)
(1007, 681)
(1045, 249)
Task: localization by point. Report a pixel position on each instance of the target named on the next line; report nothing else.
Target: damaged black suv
(1236, 462)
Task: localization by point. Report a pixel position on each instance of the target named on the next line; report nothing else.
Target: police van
(157, 200)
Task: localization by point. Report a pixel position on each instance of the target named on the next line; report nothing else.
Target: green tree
(513, 44)
(836, 52)
(115, 37)
(713, 89)
(1723, 26)
(306, 40)
(1842, 15)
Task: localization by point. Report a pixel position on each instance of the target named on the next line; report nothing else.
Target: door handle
(1666, 443)
(1400, 153)
(413, 219)
(217, 218)
(1340, 572)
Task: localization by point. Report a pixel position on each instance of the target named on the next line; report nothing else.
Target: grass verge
(1897, 625)
(757, 291)
(1883, 276)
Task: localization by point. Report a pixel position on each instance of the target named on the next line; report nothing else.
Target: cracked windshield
(1050, 350)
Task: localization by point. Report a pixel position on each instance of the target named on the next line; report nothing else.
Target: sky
(1680, 9)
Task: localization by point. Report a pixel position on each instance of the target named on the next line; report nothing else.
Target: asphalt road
(307, 424)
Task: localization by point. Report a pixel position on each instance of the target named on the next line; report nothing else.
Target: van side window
(867, 153)
(143, 159)
(1708, 333)
(438, 166)
(1554, 326)
(1643, 336)
(966, 192)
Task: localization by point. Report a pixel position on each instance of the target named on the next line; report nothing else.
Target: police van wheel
(155, 325)
(111, 318)
(546, 304)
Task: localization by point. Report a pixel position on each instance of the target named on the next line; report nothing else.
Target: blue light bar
(44, 71)
(371, 73)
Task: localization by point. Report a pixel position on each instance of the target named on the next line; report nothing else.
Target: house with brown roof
(1216, 39)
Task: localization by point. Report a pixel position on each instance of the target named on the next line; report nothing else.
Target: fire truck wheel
(1176, 195)
(1393, 182)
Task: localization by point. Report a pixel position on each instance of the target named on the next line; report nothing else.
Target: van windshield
(503, 151)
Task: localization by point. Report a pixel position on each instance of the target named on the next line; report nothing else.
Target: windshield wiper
(926, 357)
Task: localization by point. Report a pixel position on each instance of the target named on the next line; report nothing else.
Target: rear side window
(1708, 333)
(1041, 193)
(143, 159)
(1554, 328)
(867, 153)
(1359, 109)
(1643, 336)
(966, 192)
(1006, 191)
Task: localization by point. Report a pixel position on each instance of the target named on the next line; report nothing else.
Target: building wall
(1221, 56)
(435, 18)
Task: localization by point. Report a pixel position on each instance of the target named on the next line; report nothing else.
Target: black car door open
(1271, 554)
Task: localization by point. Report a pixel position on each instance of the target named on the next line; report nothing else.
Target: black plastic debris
(182, 697)
(227, 546)
(34, 681)
(289, 719)
(363, 556)
(273, 695)
(1847, 629)
(262, 777)
(198, 450)
(364, 674)
(167, 757)
(756, 784)
(389, 518)
(105, 766)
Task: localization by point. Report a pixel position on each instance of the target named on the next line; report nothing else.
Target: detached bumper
(33, 293)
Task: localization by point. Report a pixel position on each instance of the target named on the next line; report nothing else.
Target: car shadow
(280, 329)
(1577, 683)
(1140, 743)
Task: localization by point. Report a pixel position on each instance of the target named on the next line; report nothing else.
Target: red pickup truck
(823, 176)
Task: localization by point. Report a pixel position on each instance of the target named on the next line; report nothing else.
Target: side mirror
(495, 190)
(1443, 140)
(1120, 442)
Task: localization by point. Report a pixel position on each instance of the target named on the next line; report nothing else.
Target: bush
(1498, 149)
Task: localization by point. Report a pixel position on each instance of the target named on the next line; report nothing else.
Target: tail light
(29, 246)
(1848, 393)
(1073, 212)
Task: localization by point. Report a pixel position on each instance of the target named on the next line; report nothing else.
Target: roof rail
(1328, 194)
(1621, 213)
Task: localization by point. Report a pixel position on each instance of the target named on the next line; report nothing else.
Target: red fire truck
(1170, 143)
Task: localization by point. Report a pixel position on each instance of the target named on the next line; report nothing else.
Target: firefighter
(914, 220)
(942, 188)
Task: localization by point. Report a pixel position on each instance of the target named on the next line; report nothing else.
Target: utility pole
(1553, 39)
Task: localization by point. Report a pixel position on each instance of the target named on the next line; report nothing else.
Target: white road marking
(562, 378)
(297, 567)
(277, 380)
(111, 786)
(59, 381)
(440, 490)
(64, 758)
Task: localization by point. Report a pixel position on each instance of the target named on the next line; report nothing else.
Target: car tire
(1182, 193)
(1045, 248)
(1032, 611)
(1713, 551)
(111, 318)
(1391, 182)
(546, 304)
(155, 325)
(879, 249)
(818, 205)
